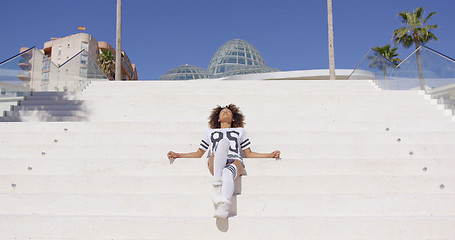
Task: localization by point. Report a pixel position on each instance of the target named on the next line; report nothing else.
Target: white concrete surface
(317, 74)
(357, 163)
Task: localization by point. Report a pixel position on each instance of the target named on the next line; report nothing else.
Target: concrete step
(249, 205)
(306, 184)
(135, 228)
(263, 137)
(390, 127)
(10, 119)
(51, 102)
(387, 150)
(132, 115)
(293, 98)
(47, 108)
(255, 166)
(186, 106)
(43, 118)
(278, 109)
(47, 113)
(48, 97)
(199, 127)
(348, 184)
(252, 86)
(47, 94)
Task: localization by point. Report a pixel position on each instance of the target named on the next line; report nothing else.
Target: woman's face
(225, 115)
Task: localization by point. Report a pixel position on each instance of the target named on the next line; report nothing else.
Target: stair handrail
(71, 58)
(7, 60)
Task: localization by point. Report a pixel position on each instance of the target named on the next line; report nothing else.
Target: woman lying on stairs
(225, 140)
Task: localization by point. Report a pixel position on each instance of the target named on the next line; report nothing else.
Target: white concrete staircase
(357, 163)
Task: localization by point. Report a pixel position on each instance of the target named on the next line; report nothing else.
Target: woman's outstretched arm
(251, 154)
(196, 154)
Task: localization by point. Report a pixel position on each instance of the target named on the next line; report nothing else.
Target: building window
(68, 45)
(84, 59)
(59, 50)
(58, 61)
(46, 65)
(45, 78)
(83, 72)
(84, 46)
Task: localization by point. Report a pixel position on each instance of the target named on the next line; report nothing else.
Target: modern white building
(60, 50)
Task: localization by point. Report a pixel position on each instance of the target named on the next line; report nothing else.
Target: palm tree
(415, 33)
(388, 59)
(390, 54)
(107, 63)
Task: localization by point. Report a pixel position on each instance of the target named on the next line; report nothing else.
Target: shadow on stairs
(47, 107)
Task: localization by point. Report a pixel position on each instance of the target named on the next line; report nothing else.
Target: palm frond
(428, 17)
(404, 16)
(429, 27)
(432, 36)
(402, 36)
(415, 31)
(387, 53)
(418, 12)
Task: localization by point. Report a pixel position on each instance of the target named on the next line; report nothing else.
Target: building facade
(61, 50)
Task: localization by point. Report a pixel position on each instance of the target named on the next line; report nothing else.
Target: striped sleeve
(244, 141)
(204, 142)
(204, 145)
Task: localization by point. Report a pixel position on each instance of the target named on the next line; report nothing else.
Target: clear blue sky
(161, 34)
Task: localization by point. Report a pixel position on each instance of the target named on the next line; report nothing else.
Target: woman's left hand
(275, 154)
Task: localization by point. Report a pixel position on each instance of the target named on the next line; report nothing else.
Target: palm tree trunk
(386, 80)
(118, 47)
(331, 48)
(419, 68)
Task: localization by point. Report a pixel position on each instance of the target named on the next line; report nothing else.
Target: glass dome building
(236, 57)
(234, 53)
(186, 72)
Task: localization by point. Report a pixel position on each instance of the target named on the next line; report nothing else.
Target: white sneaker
(222, 209)
(216, 193)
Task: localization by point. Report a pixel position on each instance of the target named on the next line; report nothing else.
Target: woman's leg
(220, 159)
(216, 164)
(230, 173)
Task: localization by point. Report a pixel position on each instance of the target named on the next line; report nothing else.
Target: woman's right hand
(172, 155)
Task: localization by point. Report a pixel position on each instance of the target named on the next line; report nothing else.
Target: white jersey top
(236, 136)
